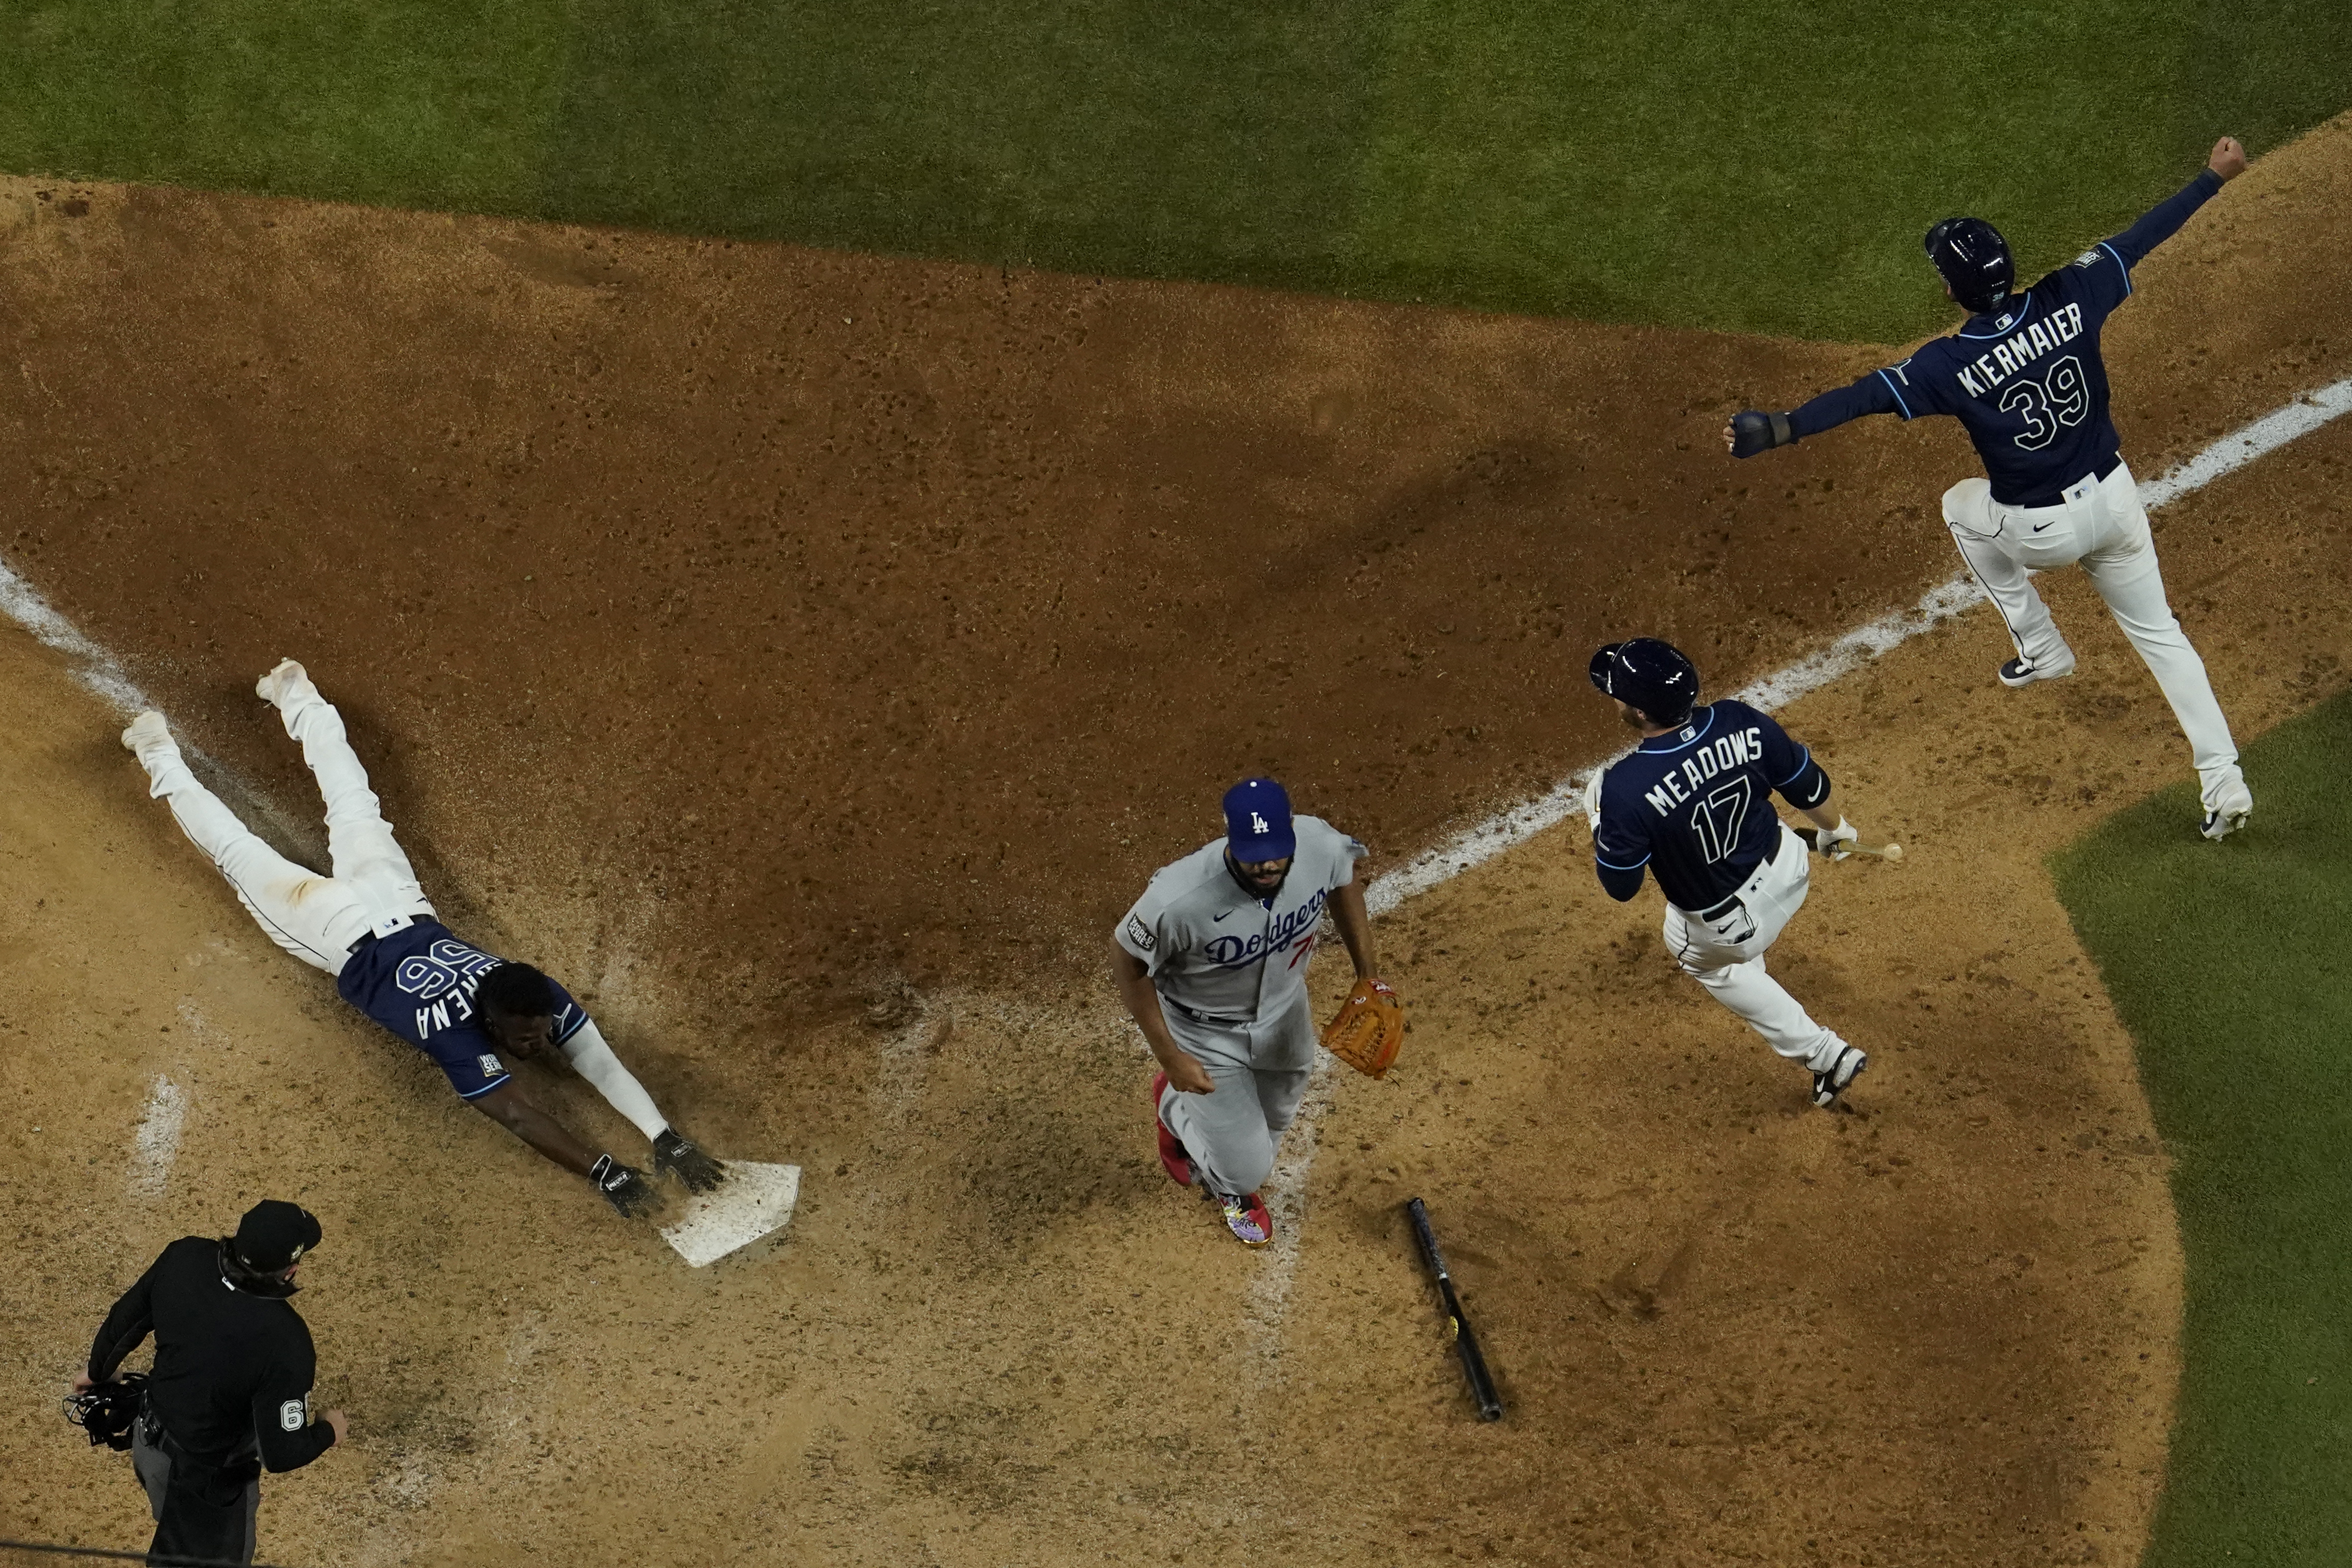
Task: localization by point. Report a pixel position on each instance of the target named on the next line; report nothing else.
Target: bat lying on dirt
(1813, 836)
(1474, 1365)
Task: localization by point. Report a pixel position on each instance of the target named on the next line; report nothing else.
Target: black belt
(2056, 496)
(1207, 1017)
(196, 1469)
(1723, 907)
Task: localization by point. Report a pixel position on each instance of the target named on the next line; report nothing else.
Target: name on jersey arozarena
(1719, 755)
(443, 976)
(1233, 952)
(2013, 354)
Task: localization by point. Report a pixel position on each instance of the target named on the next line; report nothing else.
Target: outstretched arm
(1880, 391)
(2162, 221)
(592, 1057)
(508, 1105)
(623, 1186)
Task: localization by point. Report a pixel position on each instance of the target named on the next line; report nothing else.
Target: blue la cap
(1257, 823)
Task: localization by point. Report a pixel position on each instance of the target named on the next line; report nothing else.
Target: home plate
(752, 1201)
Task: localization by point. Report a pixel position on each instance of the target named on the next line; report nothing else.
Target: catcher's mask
(1973, 259)
(1649, 675)
(108, 1411)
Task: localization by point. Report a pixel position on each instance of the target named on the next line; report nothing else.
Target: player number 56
(2061, 397)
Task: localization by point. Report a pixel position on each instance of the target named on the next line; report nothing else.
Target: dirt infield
(756, 638)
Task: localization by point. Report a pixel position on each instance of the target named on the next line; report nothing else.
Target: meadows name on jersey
(1694, 805)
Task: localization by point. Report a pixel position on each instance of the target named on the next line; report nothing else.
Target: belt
(1723, 907)
(2058, 496)
(236, 1471)
(1200, 1017)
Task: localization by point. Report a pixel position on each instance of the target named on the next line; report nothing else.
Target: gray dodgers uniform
(1231, 972)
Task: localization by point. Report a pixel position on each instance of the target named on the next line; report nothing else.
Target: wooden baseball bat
(1892, 852)
(1457, 1324)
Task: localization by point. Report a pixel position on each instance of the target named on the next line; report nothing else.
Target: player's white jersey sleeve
(1153, 930)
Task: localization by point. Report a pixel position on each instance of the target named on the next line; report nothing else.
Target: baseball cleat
(1247, 1219)
(273, 688)
(2018, 672)
(1174, 1158)
(147, 732)
(2237, 804)
(1828, 1086)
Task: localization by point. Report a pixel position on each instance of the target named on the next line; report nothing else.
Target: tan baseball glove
(1368, 1028)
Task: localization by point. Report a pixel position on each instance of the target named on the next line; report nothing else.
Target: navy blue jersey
(1695, 807)
(2027, 381)
(419, 984)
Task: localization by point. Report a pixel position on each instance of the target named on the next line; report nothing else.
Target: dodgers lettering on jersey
(1212, 947)
(2027, 381)
(419, 984)
(1695, 807)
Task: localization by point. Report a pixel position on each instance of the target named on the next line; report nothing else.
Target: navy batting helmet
(1649, 675)
(1974, 262)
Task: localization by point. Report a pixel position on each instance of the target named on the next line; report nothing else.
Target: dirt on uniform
(806, 657)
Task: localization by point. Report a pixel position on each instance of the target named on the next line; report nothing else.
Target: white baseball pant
(2101, 524)
(1726, 955)
(317, 919)
(1261, 1071)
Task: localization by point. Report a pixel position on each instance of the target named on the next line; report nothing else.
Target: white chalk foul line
(1285, 1191)
(1518, 824)
(93, 665)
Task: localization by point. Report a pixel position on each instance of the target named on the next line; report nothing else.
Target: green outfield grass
(1764, 164)
(2232, 963)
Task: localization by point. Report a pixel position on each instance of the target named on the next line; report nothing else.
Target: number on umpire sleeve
(293, 1416)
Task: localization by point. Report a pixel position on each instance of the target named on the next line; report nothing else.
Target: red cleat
(1247, 1219)
(1172, 1157)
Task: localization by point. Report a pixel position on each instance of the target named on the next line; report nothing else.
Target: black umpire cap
(1649, 675)
(274, 1234)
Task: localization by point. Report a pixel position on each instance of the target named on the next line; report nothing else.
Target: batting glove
(680, 1156)
(1833, 841)
(1753, 432)
(623, 1187)
(1592, 800)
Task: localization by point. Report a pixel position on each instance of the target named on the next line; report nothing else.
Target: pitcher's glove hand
(1751, 432)
(1369, 1028)
(1833, 841)
(624, 1187)
(680, 1156)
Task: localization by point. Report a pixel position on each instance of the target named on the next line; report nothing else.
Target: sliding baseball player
(1212, 963)
(370, 927)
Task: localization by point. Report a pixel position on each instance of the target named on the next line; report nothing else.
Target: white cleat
(274, 687)
(147, 733)
(2237, 804)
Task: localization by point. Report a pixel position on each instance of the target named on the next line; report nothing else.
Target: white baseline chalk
(1518, 824)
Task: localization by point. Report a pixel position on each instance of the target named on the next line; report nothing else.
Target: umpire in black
(230, 1392)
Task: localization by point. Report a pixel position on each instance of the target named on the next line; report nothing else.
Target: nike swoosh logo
(1214, 919)
(2040, 526)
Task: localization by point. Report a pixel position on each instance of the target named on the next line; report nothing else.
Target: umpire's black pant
(201, 1510)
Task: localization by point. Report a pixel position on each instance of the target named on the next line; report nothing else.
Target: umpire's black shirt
(233, 1368)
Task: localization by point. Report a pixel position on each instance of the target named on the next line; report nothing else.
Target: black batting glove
(676, 1155)
(1753, 432)
(624, 1187)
